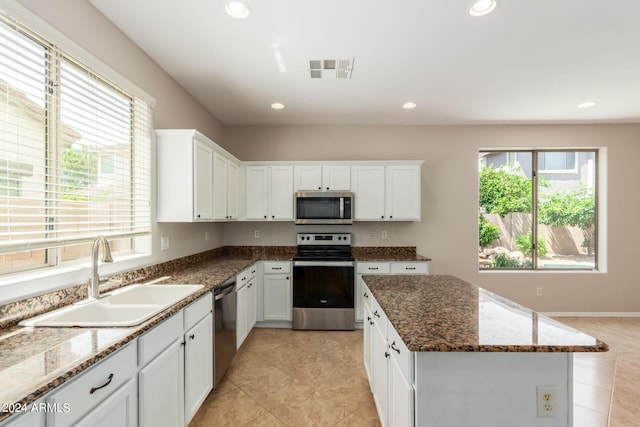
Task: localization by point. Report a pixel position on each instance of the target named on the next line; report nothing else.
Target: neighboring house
(564, 170)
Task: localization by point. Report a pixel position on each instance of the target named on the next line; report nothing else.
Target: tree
(487, 231)
(504, 190)
(80, 169)
(576, 208)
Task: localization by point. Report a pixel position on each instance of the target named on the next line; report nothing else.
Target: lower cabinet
(104, 394)
(276, 285)
(389, 366)
(246, 298)
(176, 359)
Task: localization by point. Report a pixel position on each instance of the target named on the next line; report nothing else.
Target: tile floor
(282, 377)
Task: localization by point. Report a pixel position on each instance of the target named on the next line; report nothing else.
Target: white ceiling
(530, 61)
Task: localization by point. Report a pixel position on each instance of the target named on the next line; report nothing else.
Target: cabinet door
(403, 193)
(119, 409)
(277, 297)
(336, 178)
(368, 342)
(219, 187)
(400, 397)
(380, 380)
(358, 302)
(308, 178)
(203, 185)
(281, 193)
(161, 389)
(232, 190)
(256, 192)
(252, 304)
(242, 308)
(368, 187)
(198, 366)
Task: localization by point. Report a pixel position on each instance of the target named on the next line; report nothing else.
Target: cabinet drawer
(399, 350)
(197, 310)
(157, 339)
(372, 268)
(276, 267)
(367, 298)
(414, 267)
(93, 386)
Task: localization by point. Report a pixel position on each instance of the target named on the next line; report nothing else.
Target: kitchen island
(442, 352)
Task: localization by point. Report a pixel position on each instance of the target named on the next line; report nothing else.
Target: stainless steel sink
(128, 306)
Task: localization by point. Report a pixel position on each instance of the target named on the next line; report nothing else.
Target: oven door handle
(323, 263)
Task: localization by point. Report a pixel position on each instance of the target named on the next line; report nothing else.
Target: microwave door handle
(341, 207)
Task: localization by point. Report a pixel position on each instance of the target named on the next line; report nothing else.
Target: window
(74, 156)
(531, 216)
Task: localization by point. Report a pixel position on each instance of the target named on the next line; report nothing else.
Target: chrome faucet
(94, 280)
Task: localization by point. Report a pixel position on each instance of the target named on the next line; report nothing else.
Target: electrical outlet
(384, 234)
(256, 234)
(539, 291)
(164, 243)
(206, 236)
(546, 401)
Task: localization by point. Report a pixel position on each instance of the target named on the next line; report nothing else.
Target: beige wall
(449, 200)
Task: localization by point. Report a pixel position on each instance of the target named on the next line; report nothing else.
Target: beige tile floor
(282, 377)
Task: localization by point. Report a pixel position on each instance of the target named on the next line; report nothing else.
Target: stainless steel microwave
(324, 207)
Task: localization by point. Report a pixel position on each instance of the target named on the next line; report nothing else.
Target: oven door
(323, 284)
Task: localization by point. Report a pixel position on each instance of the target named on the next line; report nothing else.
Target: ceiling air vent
(330, 68)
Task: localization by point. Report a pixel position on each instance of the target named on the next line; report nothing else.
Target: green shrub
(487, 232)
(503, 261)
(523, 243)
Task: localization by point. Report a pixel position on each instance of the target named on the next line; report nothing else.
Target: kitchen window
(539, 213)
(75, 156)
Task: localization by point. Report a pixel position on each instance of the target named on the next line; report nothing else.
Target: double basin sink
(127, 306)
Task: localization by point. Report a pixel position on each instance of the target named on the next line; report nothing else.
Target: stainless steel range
(323, 282)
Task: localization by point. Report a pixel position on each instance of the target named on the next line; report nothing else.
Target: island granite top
(447, 314)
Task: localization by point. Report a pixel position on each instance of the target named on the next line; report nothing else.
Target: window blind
(75, 158)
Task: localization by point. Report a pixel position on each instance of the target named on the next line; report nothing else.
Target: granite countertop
(34, 361)
(445, 313)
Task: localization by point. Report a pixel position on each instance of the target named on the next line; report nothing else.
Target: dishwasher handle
(224, 290)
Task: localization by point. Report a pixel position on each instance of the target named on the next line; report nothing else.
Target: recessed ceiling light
(237, 9)
(277, 105)
(587, 104)
(409, 105)
(482, 7)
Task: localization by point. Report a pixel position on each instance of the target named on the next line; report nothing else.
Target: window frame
(599, 154)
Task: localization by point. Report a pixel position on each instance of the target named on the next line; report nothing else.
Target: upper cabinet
(387, 192)
(269, 193)
(197, 179)
(324, 178)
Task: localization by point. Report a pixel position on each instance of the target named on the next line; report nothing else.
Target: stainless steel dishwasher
(224, 339)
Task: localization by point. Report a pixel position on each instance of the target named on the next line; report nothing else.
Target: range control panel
(324, 239)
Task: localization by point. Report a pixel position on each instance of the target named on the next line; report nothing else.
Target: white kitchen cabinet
(276, 284)
(176, 357)
(400, 395)
(268, 193)
(25, 417)
(387, 192)
(379, 359)
(325, 178)
(185, 176)
(246, 303)
(198, 365)
(96, 393)
(225, 187)
(368, 340)
(197, 179)
(161, 388)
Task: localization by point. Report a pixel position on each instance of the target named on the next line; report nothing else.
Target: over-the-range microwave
(324, 207)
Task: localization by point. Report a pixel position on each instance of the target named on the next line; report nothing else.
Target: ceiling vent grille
(331, 68)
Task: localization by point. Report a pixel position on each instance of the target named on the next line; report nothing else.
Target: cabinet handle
(94, 389)
(382, 217)
(319, 188)
(409, 268)
(276, 268)
(265, 217)
(198, 215)
(373, 268)
(273, 216)
(375, 313)
(327, 188)
(366, 295)
(287, 277)
(386, 355)
(390, 216)
(192, 336)
(369, 318)
(394, 348)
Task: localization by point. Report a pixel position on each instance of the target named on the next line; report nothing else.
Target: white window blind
(74, 153)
